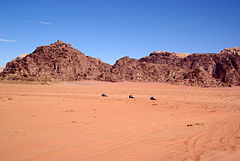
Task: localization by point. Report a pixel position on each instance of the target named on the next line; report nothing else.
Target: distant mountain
(1, 68)
(63, 62)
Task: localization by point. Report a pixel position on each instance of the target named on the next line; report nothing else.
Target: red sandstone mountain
(61, 61)
(56, 61)
(203, 70)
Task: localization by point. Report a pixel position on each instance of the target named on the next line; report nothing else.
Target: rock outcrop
(235, 51)
(205, 70)
(60, 61)
(56, 61)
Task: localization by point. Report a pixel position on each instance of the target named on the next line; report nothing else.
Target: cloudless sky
(110, 29)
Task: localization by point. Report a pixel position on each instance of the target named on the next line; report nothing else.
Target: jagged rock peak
(61, 43)
(57, 48)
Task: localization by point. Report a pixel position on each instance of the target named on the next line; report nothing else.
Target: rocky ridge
(63, 62)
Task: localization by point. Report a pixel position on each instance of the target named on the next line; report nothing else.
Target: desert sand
(70, 121)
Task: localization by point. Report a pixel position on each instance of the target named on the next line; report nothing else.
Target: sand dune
(71, 121)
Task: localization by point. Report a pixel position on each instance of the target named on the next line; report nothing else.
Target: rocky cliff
(57, 61)
(205, 70)
(61, 61)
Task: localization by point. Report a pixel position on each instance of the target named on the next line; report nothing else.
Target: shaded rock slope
(61, 61)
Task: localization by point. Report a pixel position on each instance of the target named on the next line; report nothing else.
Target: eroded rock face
(56, 61)
(60, 61)
(235, 51)
(204, 70)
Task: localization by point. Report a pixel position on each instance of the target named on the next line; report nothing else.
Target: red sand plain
(70, 121)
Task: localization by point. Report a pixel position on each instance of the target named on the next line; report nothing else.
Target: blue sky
(110, 29)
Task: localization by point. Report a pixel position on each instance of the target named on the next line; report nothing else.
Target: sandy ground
(72, 122)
